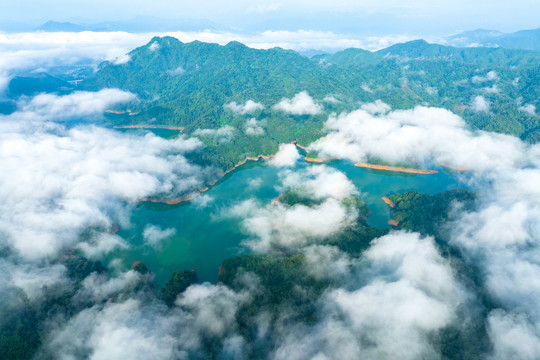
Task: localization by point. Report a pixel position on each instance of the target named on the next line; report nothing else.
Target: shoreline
(396, 169)
(206, 188)
(266, 157)
(164, 127)
(388, 202)
(455, 168)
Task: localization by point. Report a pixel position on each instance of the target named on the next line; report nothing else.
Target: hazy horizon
(421, 18)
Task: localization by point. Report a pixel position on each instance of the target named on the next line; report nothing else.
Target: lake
(203, 238)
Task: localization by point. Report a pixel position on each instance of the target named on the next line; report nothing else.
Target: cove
(203, 238)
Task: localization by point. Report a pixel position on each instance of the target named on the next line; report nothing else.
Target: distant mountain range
(524, 39)
(135, 25)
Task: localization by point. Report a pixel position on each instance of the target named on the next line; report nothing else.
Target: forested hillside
(190, 85)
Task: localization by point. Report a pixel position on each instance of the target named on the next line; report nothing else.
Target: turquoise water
(204, 238)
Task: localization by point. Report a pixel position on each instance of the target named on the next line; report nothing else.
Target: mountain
(188, 84)
(55, 26)
(37, 83)
(524, 39)
(422, 50)
(350, 56)
(136, 25)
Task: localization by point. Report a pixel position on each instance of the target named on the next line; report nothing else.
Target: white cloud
(513, 337)
(223, 134)
(286, 156)
(490, 76)
(252, 127)
(331, 100)
(246, 108)
(319, 182)
(479, 104)
(366, 88)
(494, 89)
(377, 107)
(421, 135)
(278, 225)
(101, 245)
(178, 71)
(406, 293)
(300, 104)
(76, 104)
(529, 109)
(154, 46)
(121, 60)
(255, 183)
(154, 235)
(293, 227)
(58, 181)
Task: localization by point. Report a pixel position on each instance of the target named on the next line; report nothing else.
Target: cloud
(420, 296)
(76, 104)
(490, 76)
(58, 181)
(513, 336)
(278, 225)
(300, 104)
(178, 71)
(223, 134)
(331, 100)
(154, 46)
(529, 109)
(286, 156)
(154, 235)
(292, 227)
(101, 245)
(407, 292)
(138, 330)
(246, 108)
(319, 182)
(420, 136)
(494, 89)
(377, 107)
(255, 183)
(253, 128)
(479, 104)
(366, 88)
(121, 60)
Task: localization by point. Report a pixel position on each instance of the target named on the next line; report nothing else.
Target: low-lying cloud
(58, 181)
(421, 135)
(246, 108)
(300, 104)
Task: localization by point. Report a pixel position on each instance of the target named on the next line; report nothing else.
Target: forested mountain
(188, 84)
(523, 39)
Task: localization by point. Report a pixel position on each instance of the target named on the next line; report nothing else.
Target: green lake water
(204, 238)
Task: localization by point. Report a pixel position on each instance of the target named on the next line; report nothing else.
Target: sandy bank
(275, 201)
(388, 202)
(393, 222)
(455, 168)
(396, 169)
(206, 188)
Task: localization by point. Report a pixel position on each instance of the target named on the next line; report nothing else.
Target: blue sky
(434, 17)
